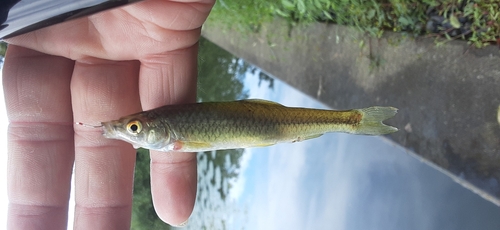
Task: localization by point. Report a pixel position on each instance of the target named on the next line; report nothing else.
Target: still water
(337, 181)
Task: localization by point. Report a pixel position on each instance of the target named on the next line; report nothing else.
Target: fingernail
(183, 224)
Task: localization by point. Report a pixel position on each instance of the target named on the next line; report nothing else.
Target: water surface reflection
(337, 181)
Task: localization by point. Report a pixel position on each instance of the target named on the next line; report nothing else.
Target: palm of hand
(91, 70)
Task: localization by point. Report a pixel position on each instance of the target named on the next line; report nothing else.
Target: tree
(220, 74)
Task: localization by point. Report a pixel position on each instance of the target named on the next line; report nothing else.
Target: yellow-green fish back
(250, 123)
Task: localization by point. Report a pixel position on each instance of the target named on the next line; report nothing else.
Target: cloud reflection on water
(341, 181)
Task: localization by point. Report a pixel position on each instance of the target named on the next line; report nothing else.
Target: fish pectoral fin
(307, 137)
(261, 101)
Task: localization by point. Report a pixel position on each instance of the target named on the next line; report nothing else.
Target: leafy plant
(478, 21)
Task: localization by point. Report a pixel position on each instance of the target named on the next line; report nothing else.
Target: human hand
(90, 70)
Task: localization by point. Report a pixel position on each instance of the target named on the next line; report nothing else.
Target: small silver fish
(239, 124)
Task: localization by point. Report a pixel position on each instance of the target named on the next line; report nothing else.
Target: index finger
(171, 79)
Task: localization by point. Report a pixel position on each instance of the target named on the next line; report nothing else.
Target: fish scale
(240, 124)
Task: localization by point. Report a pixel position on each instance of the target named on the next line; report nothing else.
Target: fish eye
(134, 127)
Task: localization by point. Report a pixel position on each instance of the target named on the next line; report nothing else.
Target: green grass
(372, 16)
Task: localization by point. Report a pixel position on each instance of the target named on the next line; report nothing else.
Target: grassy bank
(478, 21)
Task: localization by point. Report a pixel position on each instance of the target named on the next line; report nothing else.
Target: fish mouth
(109, 129)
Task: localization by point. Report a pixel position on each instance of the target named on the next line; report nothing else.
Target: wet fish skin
(240, 124)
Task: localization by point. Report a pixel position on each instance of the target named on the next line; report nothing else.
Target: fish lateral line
(88, 125)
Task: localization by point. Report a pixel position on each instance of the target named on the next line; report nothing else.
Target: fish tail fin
(371, 123)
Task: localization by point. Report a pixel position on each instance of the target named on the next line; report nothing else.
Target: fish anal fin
(307, 137)
(264, 144)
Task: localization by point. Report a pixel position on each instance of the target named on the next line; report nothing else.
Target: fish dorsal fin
(262, 101)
